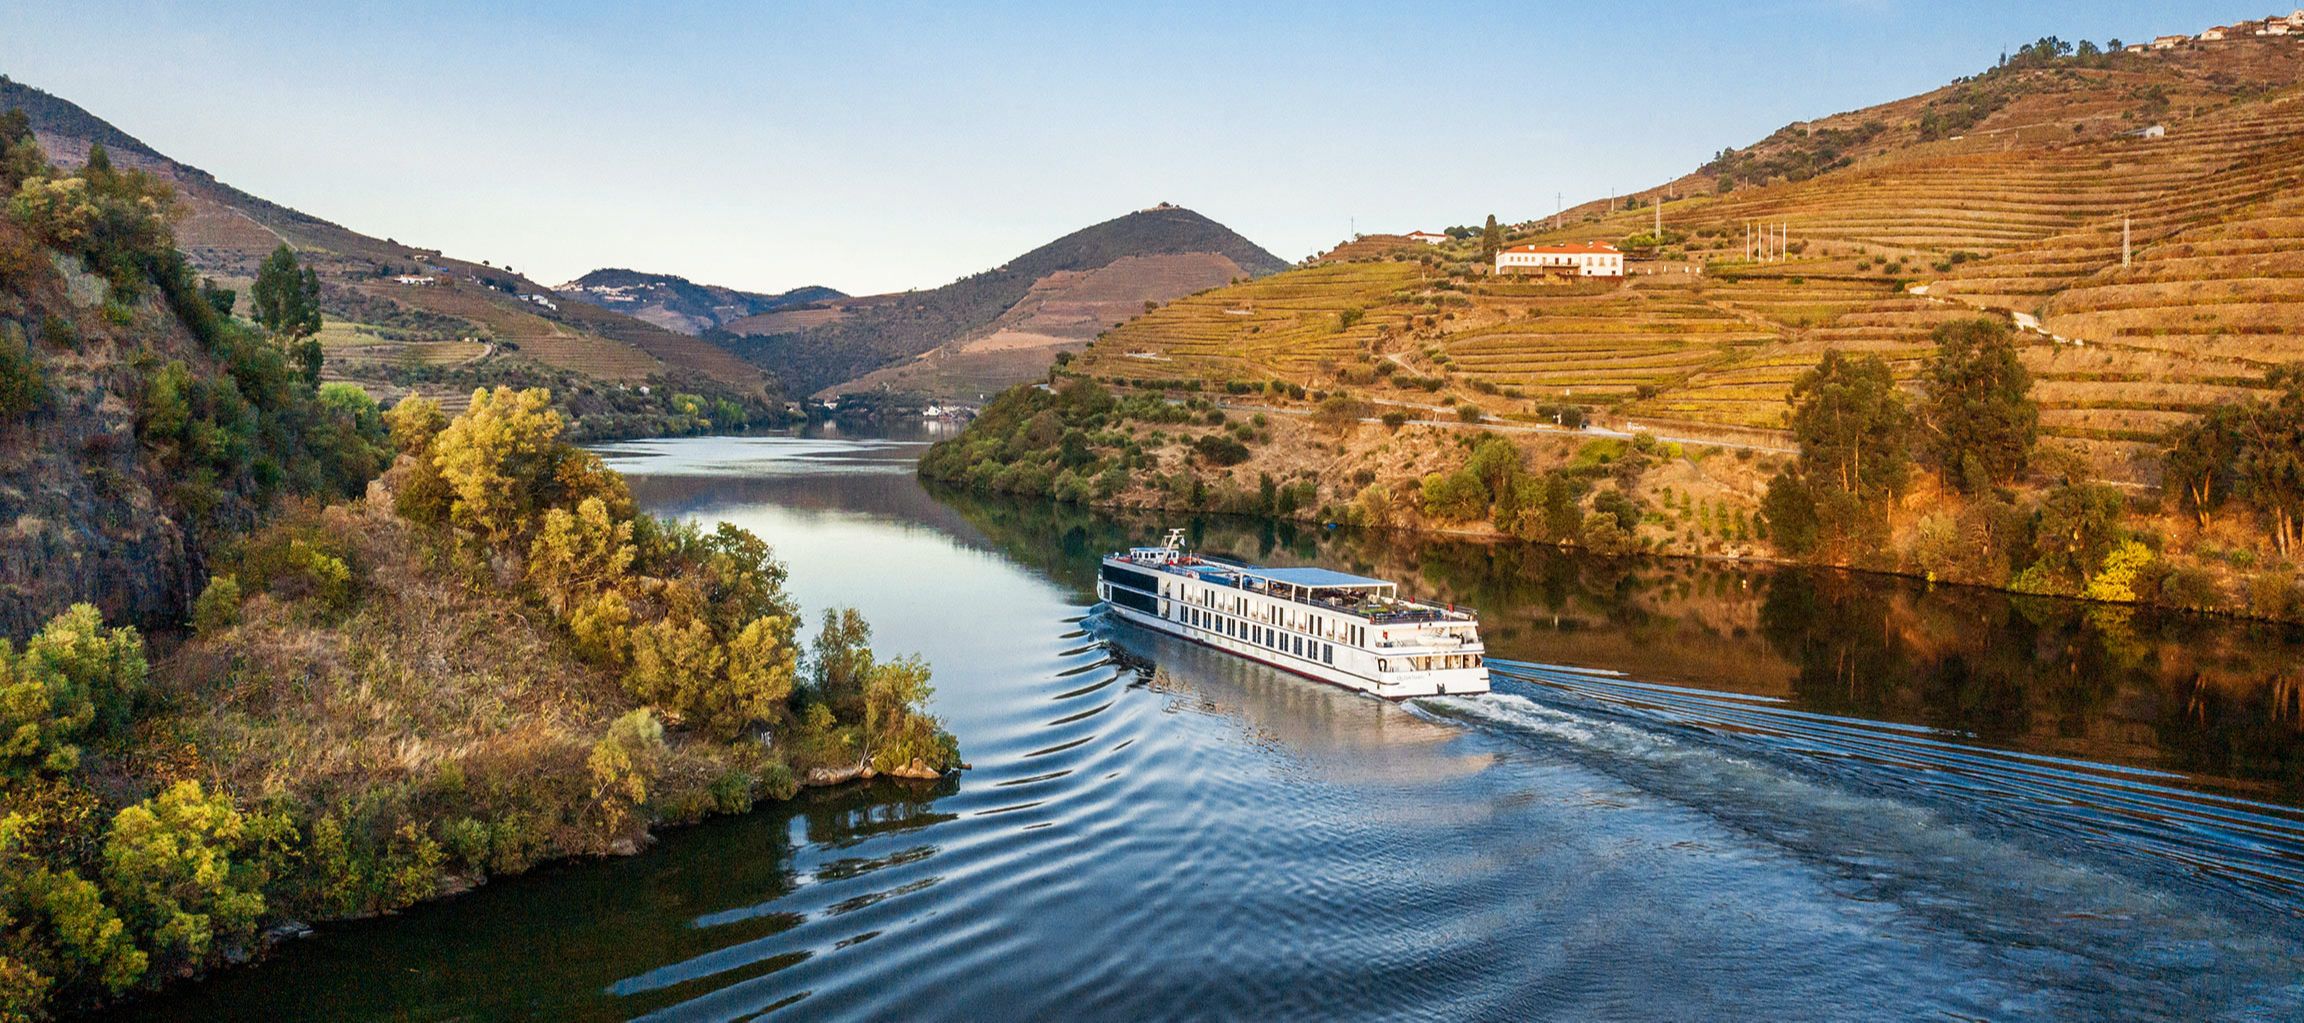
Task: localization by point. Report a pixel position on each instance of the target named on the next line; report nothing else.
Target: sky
(883, 146)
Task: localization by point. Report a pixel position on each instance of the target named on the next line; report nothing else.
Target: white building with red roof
(1571, 259)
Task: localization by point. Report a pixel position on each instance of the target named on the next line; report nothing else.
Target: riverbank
(489, 661)
(2057, 535)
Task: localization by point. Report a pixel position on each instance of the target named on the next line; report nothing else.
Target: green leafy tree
(1491, 239)
(1455, 496)
(1853, 430)
(840, 661)
(1980, 418)
(2269, 472)
(2253, 452)
(286, 300)
(897, 731)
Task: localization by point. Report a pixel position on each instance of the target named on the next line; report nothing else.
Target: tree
(1491, 239)
(580, 555)
(1981, 420)
(286, 301)
(2253, 452)
(186, 869)
(1852, 427)
(499, 460)
(897, 733)
(840, 661)
(72, 676)
(2201, 457)
(623, 765)
(1340, 413)
(1455, 496)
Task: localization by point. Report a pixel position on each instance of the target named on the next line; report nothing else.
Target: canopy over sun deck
(1314, 578)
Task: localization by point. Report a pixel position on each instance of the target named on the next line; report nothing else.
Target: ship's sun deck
(1373, 599)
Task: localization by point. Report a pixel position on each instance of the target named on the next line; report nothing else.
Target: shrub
(2191, 588)
(23, 384)
(623, 765)
(73, 676)
(1220, 450)
(218, 606)
(1395, 419)
(187, 870)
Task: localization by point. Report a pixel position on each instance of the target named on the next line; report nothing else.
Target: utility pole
(2125, 253)
(1559, 206)
(1659, 232)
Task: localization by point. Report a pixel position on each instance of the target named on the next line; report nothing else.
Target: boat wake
(2130, 816)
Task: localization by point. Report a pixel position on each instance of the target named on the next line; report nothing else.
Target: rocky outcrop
(81, 516)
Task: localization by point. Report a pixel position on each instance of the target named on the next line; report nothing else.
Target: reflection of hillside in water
(2218, 699)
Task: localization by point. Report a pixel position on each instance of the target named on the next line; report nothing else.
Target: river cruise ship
(1346, 630)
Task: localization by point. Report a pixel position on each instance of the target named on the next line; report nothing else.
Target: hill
(2006, 191)
(679, 304)
(401, 317)
(1004, 324)
(2128, 223)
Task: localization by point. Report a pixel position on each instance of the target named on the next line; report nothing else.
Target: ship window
(1328, 653)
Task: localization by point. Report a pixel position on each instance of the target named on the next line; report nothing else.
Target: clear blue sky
(883, 146)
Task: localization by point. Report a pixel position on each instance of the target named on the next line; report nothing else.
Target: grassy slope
(227, 232)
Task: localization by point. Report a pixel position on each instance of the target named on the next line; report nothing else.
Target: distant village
(2276, 25)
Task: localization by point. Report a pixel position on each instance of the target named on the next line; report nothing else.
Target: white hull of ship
(1391, 686)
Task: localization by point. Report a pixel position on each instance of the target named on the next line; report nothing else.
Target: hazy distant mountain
(677, 303)
(1005, 324)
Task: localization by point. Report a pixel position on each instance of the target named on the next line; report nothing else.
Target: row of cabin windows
(1287, 643)
(1429, 662)
(1320, 626)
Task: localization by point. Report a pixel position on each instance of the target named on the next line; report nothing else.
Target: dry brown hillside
(380, 333)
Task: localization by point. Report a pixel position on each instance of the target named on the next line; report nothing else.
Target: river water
(1699, 792)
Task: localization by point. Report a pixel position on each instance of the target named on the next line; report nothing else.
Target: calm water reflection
(1709, 792)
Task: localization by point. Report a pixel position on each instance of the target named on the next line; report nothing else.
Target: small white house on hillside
(2170, 42)
(1574, 259)
(1427, 237)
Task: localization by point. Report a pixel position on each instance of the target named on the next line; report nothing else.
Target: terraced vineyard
(2023, 215)
(1289, 326)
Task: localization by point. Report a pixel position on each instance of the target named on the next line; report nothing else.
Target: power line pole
(2125, 254)
(1559, 206)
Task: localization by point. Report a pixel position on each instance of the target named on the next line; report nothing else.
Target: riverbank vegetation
(235, 695)
(1944, 477)
(488, 661)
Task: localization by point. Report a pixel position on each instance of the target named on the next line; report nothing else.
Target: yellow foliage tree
(579, 556)
(623, 764)
(414, 421)
(494, 458)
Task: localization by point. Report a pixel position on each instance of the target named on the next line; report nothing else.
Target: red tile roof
(1570, 248)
